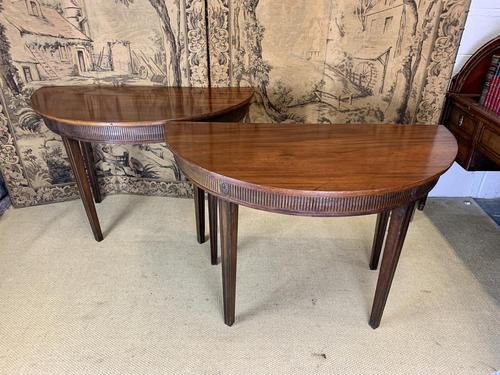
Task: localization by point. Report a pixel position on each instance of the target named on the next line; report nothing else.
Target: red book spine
(497, 103)
(496, 96)
(490, 97)
(489, 77)
(495, 93)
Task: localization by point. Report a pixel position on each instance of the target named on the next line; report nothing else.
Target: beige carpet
(147, 301)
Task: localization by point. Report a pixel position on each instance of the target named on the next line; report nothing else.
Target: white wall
(483, 24)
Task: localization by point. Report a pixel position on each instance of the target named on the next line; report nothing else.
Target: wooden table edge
(306, 202)
(131, 124)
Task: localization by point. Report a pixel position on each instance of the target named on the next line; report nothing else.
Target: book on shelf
(496, 109)
(494, 103)
(493, 88)
(495, 100)
(490, 95)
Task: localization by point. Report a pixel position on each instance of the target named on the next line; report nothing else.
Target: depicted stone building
(47, 43)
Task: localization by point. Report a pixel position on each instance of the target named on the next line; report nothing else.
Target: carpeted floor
(147, 301)
(491, 207)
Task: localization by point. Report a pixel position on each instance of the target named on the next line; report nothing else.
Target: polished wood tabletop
(314, 160)
(315, 170)
(131, 115)
(337, 159)
(135, 105)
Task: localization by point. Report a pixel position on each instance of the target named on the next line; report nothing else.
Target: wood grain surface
(322, 160)
(314, 170)
(135, 105)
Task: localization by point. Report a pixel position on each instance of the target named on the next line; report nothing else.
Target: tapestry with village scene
(82, 42)
(344, 61)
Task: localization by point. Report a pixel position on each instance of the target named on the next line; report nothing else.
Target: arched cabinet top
(470, 79)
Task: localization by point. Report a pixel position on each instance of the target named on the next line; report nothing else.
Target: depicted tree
(414, 34)
(362, 9)
(8, 71)
(257, 68)
(173, 63)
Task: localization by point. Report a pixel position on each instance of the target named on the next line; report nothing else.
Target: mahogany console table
(314, 170)
(132, 114)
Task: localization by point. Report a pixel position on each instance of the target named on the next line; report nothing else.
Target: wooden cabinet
(476, 128)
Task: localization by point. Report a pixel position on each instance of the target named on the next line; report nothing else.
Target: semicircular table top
(314, 170)
(316, 159)
(135, 105)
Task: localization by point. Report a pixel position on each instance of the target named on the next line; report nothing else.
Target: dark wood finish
(88, 157)
(315, 170)
(133, 106)
(131, 114)
(470, 79)
(373, 168)
(378, 239)
(229, 240)
(212, 220)
(199, 209)
(400, 219)
(76, 160)
(477, 131)
(476, 128)
(421, 203)
(134, 114)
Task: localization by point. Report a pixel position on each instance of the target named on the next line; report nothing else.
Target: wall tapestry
(72, 42)
(329, 61)
(337, 61)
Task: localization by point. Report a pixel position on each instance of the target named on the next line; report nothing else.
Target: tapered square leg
(199, 209)
(229, 240)
(421, 203)
(398, 226)
(212, 221)
(77, 164)
(378, 239)
(88, 157)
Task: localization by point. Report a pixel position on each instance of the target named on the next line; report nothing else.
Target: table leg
(229, 239)
(421, 203)
(378, 239)
(212, 218)
(199, 207)
(76, 160)
(88, 157)
(398, 226)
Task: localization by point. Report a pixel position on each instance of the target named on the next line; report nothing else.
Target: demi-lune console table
(132, 114)
(314, 170)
